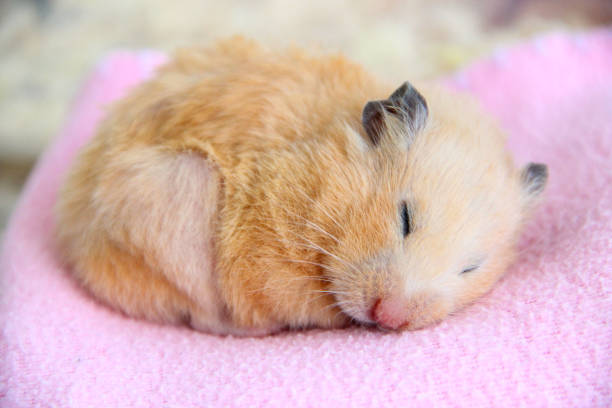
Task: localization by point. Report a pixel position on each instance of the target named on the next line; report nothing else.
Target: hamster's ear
(406, 104)
(533, 180)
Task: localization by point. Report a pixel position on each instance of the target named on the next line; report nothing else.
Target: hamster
(244, 191)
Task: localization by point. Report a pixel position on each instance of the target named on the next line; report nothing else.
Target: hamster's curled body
(243, 191)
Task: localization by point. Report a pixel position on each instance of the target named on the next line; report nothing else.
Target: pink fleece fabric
(542, 337)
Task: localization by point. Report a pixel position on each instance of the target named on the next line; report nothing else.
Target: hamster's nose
(389, 313)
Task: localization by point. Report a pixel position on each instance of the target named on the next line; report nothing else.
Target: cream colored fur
(237, 191)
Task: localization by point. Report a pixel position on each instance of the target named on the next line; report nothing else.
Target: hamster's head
(432, 206)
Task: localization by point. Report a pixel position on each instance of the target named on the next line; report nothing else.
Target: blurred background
(47, 47)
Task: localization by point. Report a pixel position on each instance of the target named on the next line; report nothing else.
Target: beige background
(47, 47)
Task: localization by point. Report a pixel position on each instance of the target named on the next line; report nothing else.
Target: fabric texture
(542, 337)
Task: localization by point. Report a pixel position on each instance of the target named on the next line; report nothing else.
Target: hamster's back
(238, 98)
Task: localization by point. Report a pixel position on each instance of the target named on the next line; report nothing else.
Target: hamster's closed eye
(470, 269)
(405, 217)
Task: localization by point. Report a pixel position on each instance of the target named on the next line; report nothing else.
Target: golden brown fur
(237, 190)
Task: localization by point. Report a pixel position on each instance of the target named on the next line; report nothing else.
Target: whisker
(321, 208)
(306, 223)
(326, 267)
(326, 252)
(311, 245)
(313, 225)
(303, 261)
(309, 301)
(332, 292)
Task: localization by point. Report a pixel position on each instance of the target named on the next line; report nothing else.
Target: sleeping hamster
(243, 191)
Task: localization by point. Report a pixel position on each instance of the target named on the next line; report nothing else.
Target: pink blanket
(542, 337)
